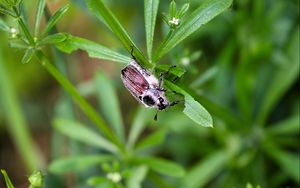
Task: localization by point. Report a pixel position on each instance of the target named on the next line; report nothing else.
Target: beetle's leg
(163, 74)
(131, 53)
(155, 117)
(174, 103)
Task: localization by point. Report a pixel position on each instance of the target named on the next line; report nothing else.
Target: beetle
(145, 87)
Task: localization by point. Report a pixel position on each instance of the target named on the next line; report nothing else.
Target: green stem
(84, 105)
(23, 26)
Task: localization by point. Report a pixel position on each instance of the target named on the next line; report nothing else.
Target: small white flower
(13, 32)
(174, 21)
(185, 61)
(114, 177)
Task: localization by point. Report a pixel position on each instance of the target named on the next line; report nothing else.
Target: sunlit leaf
(193, 109)
(150, 13)
(93, 49)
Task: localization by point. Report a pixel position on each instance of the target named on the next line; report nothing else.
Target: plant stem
(84, 105)
(23, 26)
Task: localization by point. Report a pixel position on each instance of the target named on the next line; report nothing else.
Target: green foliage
(245, 76)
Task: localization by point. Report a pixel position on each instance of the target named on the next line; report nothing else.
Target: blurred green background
(243, 67)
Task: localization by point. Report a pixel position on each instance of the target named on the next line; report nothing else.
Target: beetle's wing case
(151, 79)
(134, 81)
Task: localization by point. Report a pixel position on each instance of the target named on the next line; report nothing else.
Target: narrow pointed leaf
(109, 103)
(77, 163)
(206, 12)
(28, 55)
(288, 162)
(183, 10)
(53, 39)
(138, 125)
(93, 49)
(83, 134)
(55, 18)
(38, 15)
(193, 109)
(7, 179)
(177, 71)
(116, 27)
(138, 174)
(289, 126)
(150, 10)
(172, 9)
(162, 166)
(152, 140)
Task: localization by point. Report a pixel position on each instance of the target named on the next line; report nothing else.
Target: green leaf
(162, 166)
(28, 55)
(206, 170)
(183, 10)
(4, 26)
(138, 125)
(77, 163)
(109, 103)
(97, 180)
(93, 49)
(152, 140)
(284, 77)
(206, 12)
(55, 18)
(83, 134)
(138, 174)
(38, 15)
(193, 109)
(116, 27)
(7, 180)
(172, 9)
(53, 39)
(150, 10)
(289, 126)
(288, 162)
(177, 71)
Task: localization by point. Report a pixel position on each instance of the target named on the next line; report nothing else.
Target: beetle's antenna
(131, 53)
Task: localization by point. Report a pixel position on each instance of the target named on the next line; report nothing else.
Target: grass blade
(204, 171)
(55, 18)
(150, 10)
(193, 109)
(206, 12)
(109, 103)
(27, 56)
(93, 49)
(4, 26)
(77, 163)
(38, 15)
(117, 29)
(7, 179)
(53, 39)
(83, 134)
